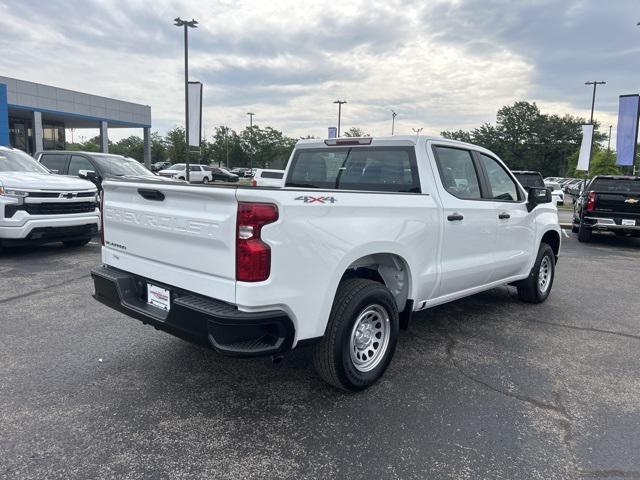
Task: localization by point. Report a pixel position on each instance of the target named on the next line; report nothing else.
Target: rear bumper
(195, 318)
(612, 224)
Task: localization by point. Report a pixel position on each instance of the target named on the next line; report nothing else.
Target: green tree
(525, 138)
(267, 147)
(132, 146)
(355, 132)
(602, 162)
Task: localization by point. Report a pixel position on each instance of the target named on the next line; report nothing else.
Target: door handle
(503, 216)
(455, 217)
(151, 194)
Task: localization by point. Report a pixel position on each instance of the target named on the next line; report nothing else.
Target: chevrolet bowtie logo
(631, 200)
(68, 195)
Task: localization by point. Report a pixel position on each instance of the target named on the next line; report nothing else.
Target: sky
(441, 65)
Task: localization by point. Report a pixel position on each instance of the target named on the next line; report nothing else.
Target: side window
(54, 161)
(78, 163)
(502, 186)
(458, 173)
(194, 168)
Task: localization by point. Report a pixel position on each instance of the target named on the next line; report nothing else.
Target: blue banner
(627, 136)
(4, 116)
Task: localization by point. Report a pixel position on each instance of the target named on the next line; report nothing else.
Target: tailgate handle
(156, 195)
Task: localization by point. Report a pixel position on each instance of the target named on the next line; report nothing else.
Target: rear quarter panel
(314, 242)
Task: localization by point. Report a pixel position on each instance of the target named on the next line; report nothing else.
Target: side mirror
(87, 175)
(538, 196)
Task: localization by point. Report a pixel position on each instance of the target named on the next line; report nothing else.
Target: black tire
(76, 243)
(574, 228)
(584, 234)
(205, 180)
(529, 289)
(332, 357)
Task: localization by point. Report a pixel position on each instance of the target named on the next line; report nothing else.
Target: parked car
(552, 179)
(557, 195)
(571, 185)
(222, 174)
(239, 171)
(574, 188)
(156, 167)
(364, 232)
(529, 178)
(608, 204)
(267, 178)
(37, 206)
(197, 173)
(92, 166)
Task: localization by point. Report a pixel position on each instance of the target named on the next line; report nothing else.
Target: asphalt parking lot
(486, 387)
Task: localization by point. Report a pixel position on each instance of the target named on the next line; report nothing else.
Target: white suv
(37, 206)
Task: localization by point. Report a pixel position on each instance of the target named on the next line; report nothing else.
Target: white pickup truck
(363, 233)
(37, 206)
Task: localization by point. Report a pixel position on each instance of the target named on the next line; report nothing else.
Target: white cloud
(440, 66)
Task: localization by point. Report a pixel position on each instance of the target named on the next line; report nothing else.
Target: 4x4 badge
(310, 199)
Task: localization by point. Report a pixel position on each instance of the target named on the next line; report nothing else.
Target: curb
(566, 226)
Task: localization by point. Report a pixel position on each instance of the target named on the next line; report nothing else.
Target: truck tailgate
(176, 234)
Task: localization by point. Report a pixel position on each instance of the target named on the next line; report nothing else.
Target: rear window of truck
(376, 169)
(277, 175)
(530, 179)
(616, 185)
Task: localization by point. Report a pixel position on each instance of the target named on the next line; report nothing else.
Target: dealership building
(33, 117)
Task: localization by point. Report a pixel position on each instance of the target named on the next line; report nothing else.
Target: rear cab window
(616, 185)
(377, 169)
(277, 175)
(529, 180)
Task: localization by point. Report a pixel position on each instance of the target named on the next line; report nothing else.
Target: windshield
(530, 179)
(614, 185)
(119, 166)
(553, 186)
(17, 161)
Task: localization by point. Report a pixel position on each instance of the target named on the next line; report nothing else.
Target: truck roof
(399, 140)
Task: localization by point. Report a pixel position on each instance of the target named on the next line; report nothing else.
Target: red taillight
(102, 217)
(591, 202)
(253, 256)
(254, 183)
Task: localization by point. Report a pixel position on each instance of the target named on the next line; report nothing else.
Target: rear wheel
(537, 286)
(584, 234)
(574, 228)
(76, 243)
(205, 180)
(361, 335)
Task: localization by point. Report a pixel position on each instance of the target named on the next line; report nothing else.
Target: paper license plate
(627, 222)
(158, 297)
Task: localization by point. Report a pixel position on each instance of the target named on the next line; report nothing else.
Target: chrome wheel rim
(369, 338)
(544, 274)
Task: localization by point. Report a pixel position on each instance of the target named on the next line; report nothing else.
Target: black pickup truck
(608, 203)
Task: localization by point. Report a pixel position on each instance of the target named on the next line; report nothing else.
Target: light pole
(393, 121)
(178, 22)
(593, 98)
(417, 131)
(609, 139)
(340, 103)
(251, 114)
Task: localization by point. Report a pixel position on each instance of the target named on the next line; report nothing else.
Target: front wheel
(205, 180)
(537, 286)
(361, 335)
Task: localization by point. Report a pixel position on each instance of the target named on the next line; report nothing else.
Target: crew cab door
(516, 232)
(469, 222)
